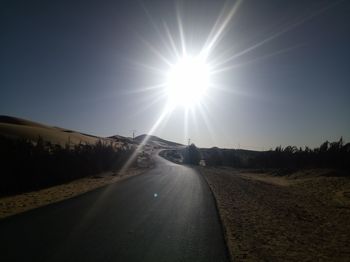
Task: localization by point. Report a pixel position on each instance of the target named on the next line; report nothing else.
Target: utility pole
(133, 134)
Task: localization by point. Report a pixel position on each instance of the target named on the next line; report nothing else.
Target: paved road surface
(167, 214)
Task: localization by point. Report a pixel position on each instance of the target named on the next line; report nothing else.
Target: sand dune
(20, 128)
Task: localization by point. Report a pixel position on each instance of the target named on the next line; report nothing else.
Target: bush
(192, 155)
(29, 166)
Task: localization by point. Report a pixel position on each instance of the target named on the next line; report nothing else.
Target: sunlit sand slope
(24, 129)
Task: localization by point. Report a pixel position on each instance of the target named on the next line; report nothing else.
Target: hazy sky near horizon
(87, 66)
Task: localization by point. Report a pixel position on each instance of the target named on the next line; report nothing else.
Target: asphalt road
(166, 214)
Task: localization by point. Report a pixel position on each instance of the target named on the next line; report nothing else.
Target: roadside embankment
(303, 216)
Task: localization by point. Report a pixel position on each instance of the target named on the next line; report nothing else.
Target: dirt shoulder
(303, 216)
(23, 202)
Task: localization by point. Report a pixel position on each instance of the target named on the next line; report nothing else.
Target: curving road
(166, 214)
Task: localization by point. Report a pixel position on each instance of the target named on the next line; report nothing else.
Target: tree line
(27, 165)
(328, 155)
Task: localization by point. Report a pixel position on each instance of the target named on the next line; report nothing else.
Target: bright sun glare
(187, 81)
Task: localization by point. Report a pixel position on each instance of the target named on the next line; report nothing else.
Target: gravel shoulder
(303, 216)
(16, 204)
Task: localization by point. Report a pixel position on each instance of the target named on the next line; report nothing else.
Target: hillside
(156, 141)
(24, 129)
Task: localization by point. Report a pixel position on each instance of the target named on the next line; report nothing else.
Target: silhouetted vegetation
(191, 155)
(27, 166)
(328, 155)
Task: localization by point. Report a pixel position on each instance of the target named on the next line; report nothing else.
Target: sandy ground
(303, 216)
(19, 203)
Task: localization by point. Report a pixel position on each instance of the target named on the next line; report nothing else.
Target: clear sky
(91, 65)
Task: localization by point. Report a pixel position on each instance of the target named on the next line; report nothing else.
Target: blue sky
(84, 65)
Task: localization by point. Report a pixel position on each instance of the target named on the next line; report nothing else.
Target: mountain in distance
(19, 128)
(156, 141)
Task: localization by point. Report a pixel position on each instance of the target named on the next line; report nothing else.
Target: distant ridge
(20, 121)
(16, 127)
(123, 139)
(156, 141)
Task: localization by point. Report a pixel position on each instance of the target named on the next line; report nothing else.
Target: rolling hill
(15, 127)
(156, 141)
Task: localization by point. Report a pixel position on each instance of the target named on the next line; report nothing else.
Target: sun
(187, 81)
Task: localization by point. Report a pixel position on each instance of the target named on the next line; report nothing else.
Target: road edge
(216, 204)
(16, 209)
(222, 224)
